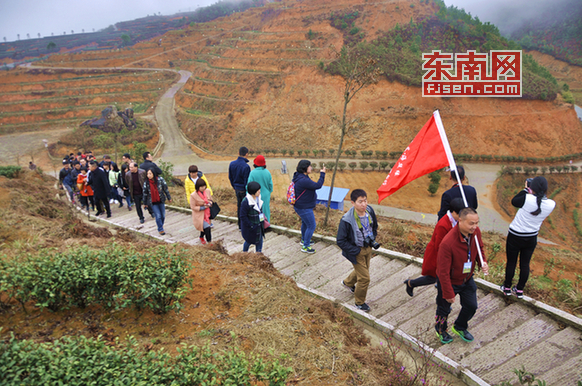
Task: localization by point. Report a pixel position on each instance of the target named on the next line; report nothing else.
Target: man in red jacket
(456, 260)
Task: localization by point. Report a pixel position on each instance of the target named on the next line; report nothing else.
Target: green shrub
(112, 277)
(432, 188)
(373, 165)
(341, 165)
(84, 361)
(363, 165)
(352, 165)
(10, 171)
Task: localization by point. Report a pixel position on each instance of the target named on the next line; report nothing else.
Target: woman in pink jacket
(200, 204)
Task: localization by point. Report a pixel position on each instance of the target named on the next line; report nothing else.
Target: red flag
(428, 151)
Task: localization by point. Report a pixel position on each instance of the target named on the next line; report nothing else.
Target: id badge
(467, 267)
(261, 216)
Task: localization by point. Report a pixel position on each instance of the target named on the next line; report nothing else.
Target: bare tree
(4, 39)
(358, 72)
(28, 36)
(83, 30)
(39, 35)
(18, 36)
(72, 32)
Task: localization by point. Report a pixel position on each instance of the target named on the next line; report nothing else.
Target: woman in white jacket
(534, 207)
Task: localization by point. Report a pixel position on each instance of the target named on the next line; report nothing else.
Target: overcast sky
(56, 16)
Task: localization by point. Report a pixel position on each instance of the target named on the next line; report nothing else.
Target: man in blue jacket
(238, 174)
(355, 236)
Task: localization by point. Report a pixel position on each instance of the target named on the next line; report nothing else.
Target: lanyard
(468, 241)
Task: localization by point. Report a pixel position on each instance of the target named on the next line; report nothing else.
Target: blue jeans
(307, 225)
(258, 246)
(159, 210)
(69, 189)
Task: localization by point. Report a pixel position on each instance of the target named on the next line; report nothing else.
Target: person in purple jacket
(305, 189)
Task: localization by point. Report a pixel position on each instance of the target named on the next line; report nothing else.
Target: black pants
(137, 198)
(103, 204)
(207, 233)
(240, 195)
(522, 247)
(422, 281)
(85, 200)
(468, 294)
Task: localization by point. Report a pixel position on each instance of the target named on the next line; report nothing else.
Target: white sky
(56, 16)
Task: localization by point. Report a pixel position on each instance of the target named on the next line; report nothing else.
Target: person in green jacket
(261, 175)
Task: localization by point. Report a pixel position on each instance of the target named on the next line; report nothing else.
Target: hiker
(305, 189)
(252, 218)
(200, 203)
(135, 179)
(261, 175)
(31, 165)
(190, 181)
(101, 189)
(113, 182)
(122, 183)
(443, 226)
(522, 237)
(85, 190)
(155, 194)
(456, 261)
(356, 233)
(455, 191)
(66, 180)
(148, 164)
(107, 159)
(126, 159)
(238, 174)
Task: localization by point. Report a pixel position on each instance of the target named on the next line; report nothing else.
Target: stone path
(508, 333)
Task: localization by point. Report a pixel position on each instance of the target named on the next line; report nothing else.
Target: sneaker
(307, 250)
(202, 240)
(129, 208)
(162, 233)
(409, 288)
(444, 337)
(111, 200)
(363, 307)
(352, 289)
(121, 204)
(141, 220)
(302, 244)
(518, 293)
(506, 291)
(464, 334)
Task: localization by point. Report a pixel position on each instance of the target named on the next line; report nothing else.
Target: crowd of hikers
(453, 253)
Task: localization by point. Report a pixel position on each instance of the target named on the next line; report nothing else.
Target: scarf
(453, 221)
(255, 204)
(154, 192)
(207, 210)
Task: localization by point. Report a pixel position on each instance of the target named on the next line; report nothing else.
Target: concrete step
(509, 344)
(544, 358)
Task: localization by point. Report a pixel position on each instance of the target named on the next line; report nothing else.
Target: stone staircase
(509, 333)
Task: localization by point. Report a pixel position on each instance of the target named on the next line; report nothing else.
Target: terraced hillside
(38, 99)
(257, 80)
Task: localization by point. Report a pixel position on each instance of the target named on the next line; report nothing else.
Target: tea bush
(10, 171)
(83, 361)
(114, 277)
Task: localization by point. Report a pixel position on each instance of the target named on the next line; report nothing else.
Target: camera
(528, 182)
(370, 241)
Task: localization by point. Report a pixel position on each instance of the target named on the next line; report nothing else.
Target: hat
(260, 161)
(253, 187)
(65, 161)
(539, 185)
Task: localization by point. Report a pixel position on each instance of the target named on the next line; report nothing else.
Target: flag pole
(453, 166)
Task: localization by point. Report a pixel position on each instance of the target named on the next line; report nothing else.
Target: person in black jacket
(238, 175)
(455, 191)
(355, 236)
(148, 164)
(101, 188)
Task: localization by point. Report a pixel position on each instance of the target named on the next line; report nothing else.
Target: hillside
(257, 80)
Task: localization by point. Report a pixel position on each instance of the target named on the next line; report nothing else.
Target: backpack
(291, 194)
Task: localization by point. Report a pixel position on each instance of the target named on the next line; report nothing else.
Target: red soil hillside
(256, 81)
